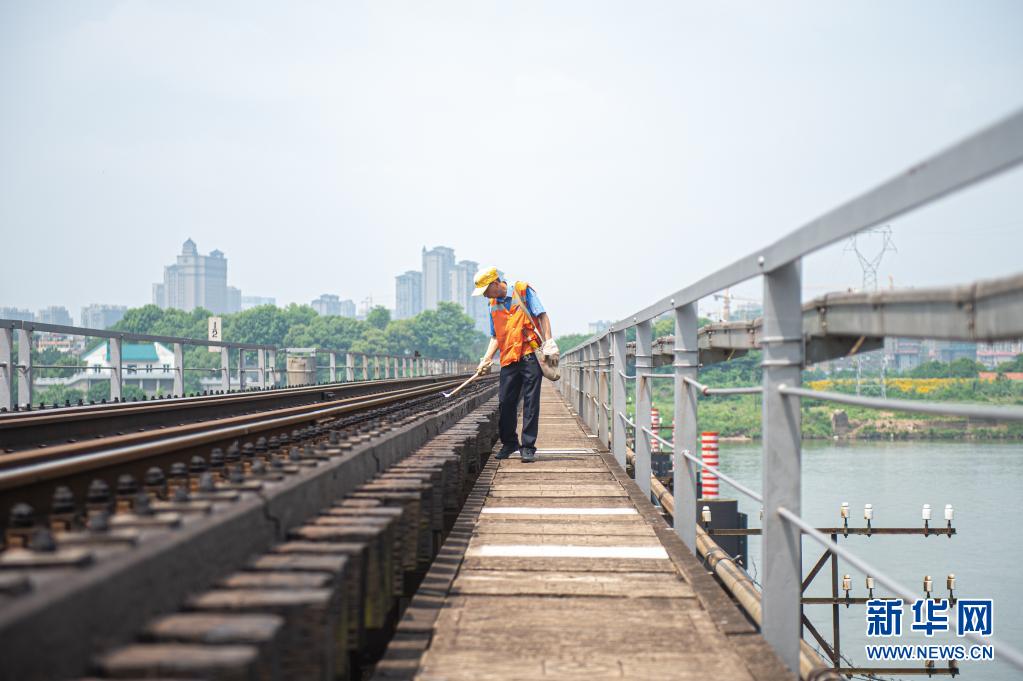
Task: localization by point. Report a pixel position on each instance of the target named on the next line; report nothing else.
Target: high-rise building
(437, 265)
(102, 316)
(55, 314)
(327, 305)
(194, 281)
(348, 308)
(249, 302)
(234, 299)
(17, 313)
(463, 281)
(408, 294)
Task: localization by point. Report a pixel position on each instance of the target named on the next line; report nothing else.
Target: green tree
(445, 333)
(401, 337)
(378, 317)
(570, 340)
(1013, 365)
(964, 367)
(371, 342)
(59, 395)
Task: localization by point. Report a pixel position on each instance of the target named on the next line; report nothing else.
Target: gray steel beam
(643, 386)
(837, 323)
(6, 368)
(241, 368)
(781, 466)
(685, 432)
(179, 370)
(603, 354)
(225, 369)
(261, 368)
(24, 337)
(590, 388)
(618, 388)
(116, 368)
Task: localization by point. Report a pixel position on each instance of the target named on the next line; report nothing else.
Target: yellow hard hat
(484, 278)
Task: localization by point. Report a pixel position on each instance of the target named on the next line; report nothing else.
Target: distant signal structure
(870, 263)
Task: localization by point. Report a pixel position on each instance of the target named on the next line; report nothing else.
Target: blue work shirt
(532, 304)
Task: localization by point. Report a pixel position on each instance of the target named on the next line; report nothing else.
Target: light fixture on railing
(870, 586)
(949, 514)
(925, 513)
(928, 586)
(845, 517)
(950, 584)
(846, 587)
(868, 515)
(705, 517)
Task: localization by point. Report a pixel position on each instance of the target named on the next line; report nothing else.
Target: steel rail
(23, 417)
(43, 466)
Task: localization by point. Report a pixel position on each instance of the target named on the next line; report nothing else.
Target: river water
(982, 481)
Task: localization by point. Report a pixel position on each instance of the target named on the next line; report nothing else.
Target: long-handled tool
(465, 383)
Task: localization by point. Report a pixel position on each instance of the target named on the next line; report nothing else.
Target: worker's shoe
(528, 455)
(506, 452)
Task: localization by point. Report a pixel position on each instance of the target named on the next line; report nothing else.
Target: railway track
(39, 428)
(235, 521)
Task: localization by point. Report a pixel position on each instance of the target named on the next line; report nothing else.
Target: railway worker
(518, 326)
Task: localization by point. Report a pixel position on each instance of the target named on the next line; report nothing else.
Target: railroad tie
(307, 650)
(180, 661)
(213, 629)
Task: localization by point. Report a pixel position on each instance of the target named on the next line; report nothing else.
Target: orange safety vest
(514, 328)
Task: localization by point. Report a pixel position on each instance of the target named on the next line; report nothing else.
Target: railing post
(6, 366)
(333, 367)
(225, 368)
(376, 368)
(618, 388)
(687, 362)
(644, 365)
(24, 337)
(586, 401)
(179, 370)
(603, 350)
(271, 360)
(782, 344)
(116, 369)
(241, 369)
(404, 367)
(365, 368)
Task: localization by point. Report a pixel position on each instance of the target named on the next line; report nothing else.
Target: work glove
(550, 352)
(484, 366)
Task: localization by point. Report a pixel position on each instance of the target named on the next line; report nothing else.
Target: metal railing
(788, 334)
(267, 372)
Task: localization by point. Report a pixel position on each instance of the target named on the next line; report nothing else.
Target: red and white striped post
(709, 446)
(655, 428)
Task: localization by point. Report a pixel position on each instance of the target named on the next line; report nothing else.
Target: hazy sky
(609, 153)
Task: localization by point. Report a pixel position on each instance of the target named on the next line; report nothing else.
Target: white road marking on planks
(557, 510)
(569, 551)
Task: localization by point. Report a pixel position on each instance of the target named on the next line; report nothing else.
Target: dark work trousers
(520, 380)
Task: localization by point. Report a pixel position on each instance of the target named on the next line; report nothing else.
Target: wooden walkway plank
(563, 574)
